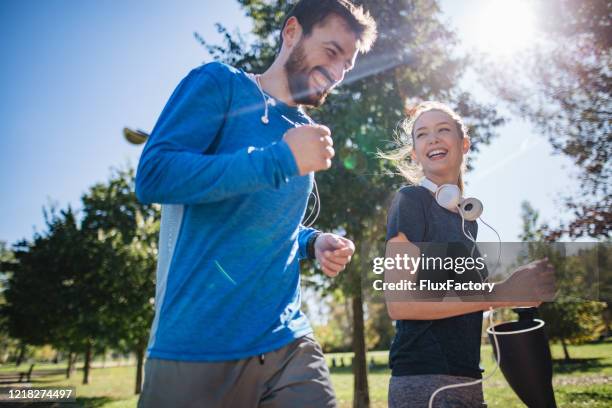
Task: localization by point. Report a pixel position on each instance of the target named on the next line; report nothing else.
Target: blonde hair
(402, 156)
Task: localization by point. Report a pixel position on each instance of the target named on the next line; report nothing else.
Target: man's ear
(292, 32)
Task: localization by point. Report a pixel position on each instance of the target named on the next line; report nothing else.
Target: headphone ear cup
(448, 196)
(471, 208)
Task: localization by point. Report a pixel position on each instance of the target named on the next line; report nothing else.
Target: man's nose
(337, 73)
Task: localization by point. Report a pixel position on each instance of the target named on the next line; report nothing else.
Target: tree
(571, 318)
(84, 286)
(332, 334)
(135, 271)
(39, 297)
(128, 232)
(412, 60)
(563, 85)
(7, 261)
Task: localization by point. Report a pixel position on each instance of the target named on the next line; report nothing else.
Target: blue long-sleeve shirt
(228, 284)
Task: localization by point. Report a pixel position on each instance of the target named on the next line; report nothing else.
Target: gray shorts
(414, 391)
(293, 376)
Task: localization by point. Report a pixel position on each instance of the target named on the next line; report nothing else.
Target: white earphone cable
(499, 250)
(317, 206)
(475, 382)
(469, 236)
(316, 209)
(264, 119)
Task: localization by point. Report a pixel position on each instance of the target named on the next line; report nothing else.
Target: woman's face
(438, 146)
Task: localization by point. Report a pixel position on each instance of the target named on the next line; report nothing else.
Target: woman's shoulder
(411, 201)
(408, 213)
(413, 193)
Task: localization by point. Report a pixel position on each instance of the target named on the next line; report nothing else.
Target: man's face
(319, 61)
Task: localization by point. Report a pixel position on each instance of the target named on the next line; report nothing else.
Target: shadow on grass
(87, 402)
(589, 396)
(583, 365)
(93, 402)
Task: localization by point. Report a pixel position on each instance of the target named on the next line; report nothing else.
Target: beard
(298, 74)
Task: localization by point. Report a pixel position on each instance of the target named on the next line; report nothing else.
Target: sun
(504, 27)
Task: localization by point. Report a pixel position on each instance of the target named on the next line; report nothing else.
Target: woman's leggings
(413, 391)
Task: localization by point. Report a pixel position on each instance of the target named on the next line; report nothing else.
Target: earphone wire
(499, 251)
(481, 380)
(469, 236)
(264, 118)
(491, 311)
(316, 209)
(317, 205)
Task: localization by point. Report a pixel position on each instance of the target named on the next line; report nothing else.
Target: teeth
(436, 152)
(320, 82)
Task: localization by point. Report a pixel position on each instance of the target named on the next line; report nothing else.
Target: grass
(585, 382)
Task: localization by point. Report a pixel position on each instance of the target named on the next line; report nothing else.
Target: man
(232, 159)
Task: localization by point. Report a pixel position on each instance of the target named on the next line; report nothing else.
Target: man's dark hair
(309, 13)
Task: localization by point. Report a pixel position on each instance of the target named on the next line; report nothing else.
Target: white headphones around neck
(449, 197)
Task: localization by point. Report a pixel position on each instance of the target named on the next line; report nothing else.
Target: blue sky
(75, 73)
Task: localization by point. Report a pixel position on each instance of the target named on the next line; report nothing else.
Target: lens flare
(504, 27)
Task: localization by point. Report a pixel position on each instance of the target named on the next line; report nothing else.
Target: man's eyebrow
(349, 63)
(335, 44)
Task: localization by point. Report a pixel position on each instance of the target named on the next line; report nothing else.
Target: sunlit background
(73, 77)
(500, 27)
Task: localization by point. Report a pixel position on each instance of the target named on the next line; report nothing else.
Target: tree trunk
(70, 364)
(565, 351)
(361, 396)
(21, 355)
(140, 351)
(87, 363)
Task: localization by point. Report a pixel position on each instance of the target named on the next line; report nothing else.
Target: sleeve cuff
(285, 159)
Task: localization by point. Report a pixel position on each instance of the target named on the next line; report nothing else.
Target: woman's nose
(432, 138)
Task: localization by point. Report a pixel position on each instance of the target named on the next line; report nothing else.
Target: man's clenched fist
(333, 252)
(311, 146)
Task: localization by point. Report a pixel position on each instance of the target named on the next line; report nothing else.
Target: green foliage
(574, 316)
(127, 231)
(43, 279)
(88, 283)
(576, 322)
(7, 260)
(379, 329)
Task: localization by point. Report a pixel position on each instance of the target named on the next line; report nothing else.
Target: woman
(438, 343)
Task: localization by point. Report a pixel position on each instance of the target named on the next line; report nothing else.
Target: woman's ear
(413, 157)
(292, 32)
(466, 145)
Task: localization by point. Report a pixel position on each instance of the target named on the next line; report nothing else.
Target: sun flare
(504, 27)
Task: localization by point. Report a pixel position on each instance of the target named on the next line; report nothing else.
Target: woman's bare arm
(414, 310)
